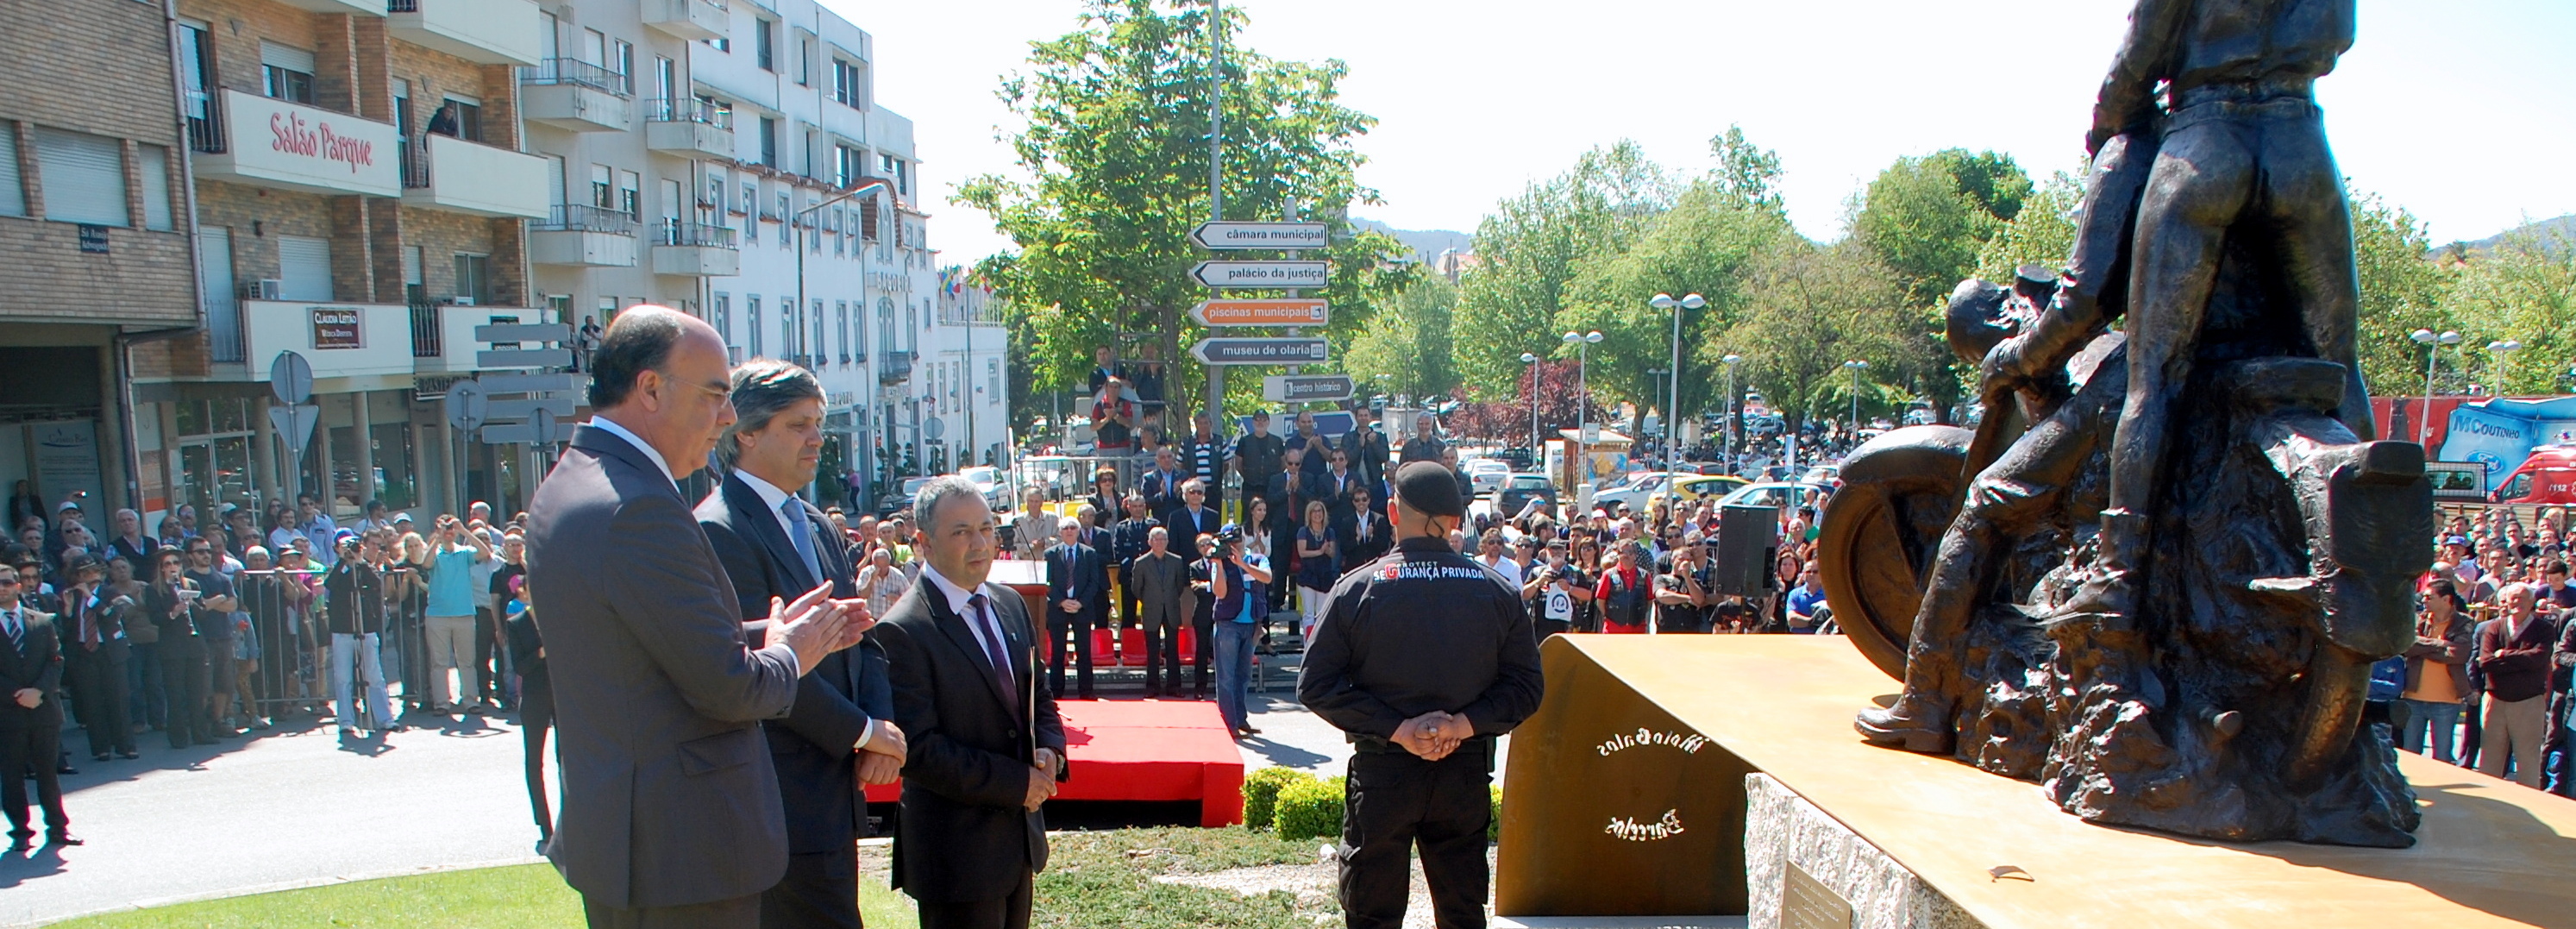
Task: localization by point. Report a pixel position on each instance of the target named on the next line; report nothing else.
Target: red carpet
(1146, 750)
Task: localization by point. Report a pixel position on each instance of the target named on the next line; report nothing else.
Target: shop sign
(338, 327)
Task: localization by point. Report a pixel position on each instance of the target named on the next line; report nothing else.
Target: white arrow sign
(1274, 274)
(1310, 388)
(1231, 236)
(1260, 351)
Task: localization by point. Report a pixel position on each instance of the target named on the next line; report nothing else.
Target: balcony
(348, 7)
(248, 139)
(341, 340)
(492, 32)
(691, 20)
(688, 127)
(443, 334)
(894, 367)
(576, 96)
(583, 236)
(694, 250)
(447, 173)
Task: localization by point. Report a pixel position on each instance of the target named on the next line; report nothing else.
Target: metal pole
(1534, 446)
(1673, 411)
(1730, 418)
(2424, 423)
(1215, 405)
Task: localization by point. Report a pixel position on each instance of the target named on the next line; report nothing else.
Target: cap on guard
(1428, 488)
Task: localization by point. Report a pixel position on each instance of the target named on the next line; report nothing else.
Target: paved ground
(297, 806)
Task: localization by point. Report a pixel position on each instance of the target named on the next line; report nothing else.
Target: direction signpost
(1306, 388)
(1282, 351)
(290, 380)
(1232, 236)
(1287, 312)
(1262, 274)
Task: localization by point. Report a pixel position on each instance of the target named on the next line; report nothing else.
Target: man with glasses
(354, 598)
(1193, 517)
(31, 723)
(212, 612)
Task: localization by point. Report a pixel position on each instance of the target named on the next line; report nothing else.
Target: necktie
(17, 630)
(801, 534)
(89, 627)
(993, 648)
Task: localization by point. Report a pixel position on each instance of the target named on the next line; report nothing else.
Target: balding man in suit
(671, 814)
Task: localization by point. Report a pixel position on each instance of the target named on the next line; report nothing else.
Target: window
(286, 72)
(848, 84)
(841, 326)
(868, 217)
(621, 59)
(197, 75)
(666, 79)
(751, 315)
(474, 278)
(892, 169)
(83, 176)
(805, 60)
(602, 194)
(153, 163)
(460, 118)
(764, 44)
(786, 326)
(549, 36)
(630, 199)
(13, 190)
(303, 268)
(721, 316)
(848, 165)
(769, 142)
(594, 47)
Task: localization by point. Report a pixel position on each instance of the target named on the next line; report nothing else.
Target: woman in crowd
(1317, 564)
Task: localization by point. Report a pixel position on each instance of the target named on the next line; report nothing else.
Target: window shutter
(287, 57)
(155, 164)
(304, 269)
(84, 177)
(13, 193)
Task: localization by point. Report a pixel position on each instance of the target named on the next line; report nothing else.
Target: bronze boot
(1913, 723)
(2110, 586)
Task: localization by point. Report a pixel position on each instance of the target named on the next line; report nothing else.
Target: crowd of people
(2486, 684)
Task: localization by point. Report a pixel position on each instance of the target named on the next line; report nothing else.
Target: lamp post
(2432, 352)
(1731, 360)
(1673, 405)
(1582, 343)
(1532, 361)
(2502, 349)
(1855, 366)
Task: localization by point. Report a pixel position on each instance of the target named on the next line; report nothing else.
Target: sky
(2463, 112)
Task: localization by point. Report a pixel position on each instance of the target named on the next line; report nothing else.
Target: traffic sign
(1229, 236)
(933, 429)
(290, 378)
(1260, 351)
(1289, 312)
(467, 405)
(534, 383)
(523, 409)
(523, 358)
(523, 332)
(1275, 274)
(294, 425)
(1312, 388)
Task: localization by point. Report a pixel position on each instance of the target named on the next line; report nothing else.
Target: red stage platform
(1146, 750)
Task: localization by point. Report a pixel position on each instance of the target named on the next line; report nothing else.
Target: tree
(1533, 245)
(2042, 233)
(1808, 309)
(1927, 219)
(1508, 420)
(1705, 244)
(1747, 176)
(1407, 350)
(2401, 291)
(2523, 289)
(1112, 167)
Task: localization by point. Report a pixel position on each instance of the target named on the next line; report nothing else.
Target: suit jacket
(1074, 572)
(963, 835)
(1162, 587)
(1185, 529)
(1335, 491)
(847, 691)
(1368, 451)
(668, 795)
(1162, 491)
(37, 662)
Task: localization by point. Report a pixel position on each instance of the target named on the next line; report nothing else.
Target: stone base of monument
(1630, 797)
(1617, 922)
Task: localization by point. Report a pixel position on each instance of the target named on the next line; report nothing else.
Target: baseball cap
(1428, 488)
(2456, 540)
(67, 505)
(1231, 532)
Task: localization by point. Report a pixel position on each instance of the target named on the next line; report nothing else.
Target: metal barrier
(287, 640)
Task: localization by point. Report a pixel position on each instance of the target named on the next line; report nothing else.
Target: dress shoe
(66, 768)
(127, 754)
(98, 756)
(61, 837)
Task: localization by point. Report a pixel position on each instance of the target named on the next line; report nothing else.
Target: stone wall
(1781, 827)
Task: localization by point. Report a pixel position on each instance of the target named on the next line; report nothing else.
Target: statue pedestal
(1599, 820)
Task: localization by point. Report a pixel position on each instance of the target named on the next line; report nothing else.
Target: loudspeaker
(1748, 541)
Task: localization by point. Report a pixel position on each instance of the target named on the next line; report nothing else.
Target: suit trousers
(1203, 624)
(736, 913)
(1010, 912)
(1394, 801)
(98, 686)
(820, 891)
(2514, 730)
(485, 683)
(451, 645)
(25, 750)
(1129, 616)
(536, 718)
(145, 698)
(1074, 630)
(185, 685)
(1163, 655)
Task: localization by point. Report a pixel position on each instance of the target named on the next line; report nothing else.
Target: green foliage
(1310, 809)
(2523, 289)
(1261, 793)
(1530, 249)
(1112, 169)
(1927, 219)
(1705, 244)
(1747, 176)
(1409, 350)
(2042, 233)
(1808, 309)
(1494, 825)
(2401, 291)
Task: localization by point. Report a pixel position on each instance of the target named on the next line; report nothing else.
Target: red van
(2548, 476)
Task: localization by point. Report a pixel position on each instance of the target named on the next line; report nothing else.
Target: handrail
(674, 232)
(688, 110)
(577, 71)
(584, 217)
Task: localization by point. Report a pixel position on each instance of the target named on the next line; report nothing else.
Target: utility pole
(1215, 405)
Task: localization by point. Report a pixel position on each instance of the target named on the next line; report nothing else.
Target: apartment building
(730, 158)
(360, 196)
(93, 242)
(963, 373)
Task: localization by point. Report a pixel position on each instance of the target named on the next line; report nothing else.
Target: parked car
(988, 481)
(900, 500)
(1486, 474)
(1519, 489)
(1783, 494)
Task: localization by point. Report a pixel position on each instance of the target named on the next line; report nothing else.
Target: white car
(1486, 475)
(988, 480)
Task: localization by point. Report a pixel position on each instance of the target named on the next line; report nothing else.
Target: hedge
(1261, 793)
(1310, 809)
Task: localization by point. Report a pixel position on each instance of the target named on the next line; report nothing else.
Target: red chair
(1189, 646)
(1131, 648)
(1104, 644)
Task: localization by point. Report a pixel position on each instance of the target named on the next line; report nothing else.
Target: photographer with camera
(353, 601)
(1555, 587)
(454, 552)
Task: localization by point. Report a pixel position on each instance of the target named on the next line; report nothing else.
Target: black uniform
(1422, 629)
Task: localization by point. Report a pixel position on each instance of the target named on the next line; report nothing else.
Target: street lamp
(2495, 370)
(1731, 360)
(1673, 406)
(1855, 366)
(1583, 394)
(2432, 352)
(1532, 361)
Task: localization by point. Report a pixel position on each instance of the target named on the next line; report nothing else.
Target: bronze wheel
(1881, 531)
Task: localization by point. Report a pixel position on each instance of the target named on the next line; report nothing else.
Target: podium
(1693, 776)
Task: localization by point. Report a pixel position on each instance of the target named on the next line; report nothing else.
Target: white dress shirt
(772, 498)
(631, 438)
(957, 597)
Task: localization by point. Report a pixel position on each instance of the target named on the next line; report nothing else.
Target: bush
(1494, 825)
(1310, 809)
(1261, 793)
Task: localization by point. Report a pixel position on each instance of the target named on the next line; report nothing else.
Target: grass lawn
(1094, 880)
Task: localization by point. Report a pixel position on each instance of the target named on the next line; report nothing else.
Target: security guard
(1422, 657)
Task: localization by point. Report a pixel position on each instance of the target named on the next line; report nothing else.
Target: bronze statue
(2162, 598)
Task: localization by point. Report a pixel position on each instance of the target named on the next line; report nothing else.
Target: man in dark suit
(987, 746)
(841, 732)
(31, 723)
(1366, 534)
(1161, 584)
(671, 814)
(1193, 517)
(1162, 486)
(1077, 582)
(1126, 541)
(1367, 449)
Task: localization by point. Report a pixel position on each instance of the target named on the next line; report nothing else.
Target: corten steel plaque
(1611, 807)
(1806, 903)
